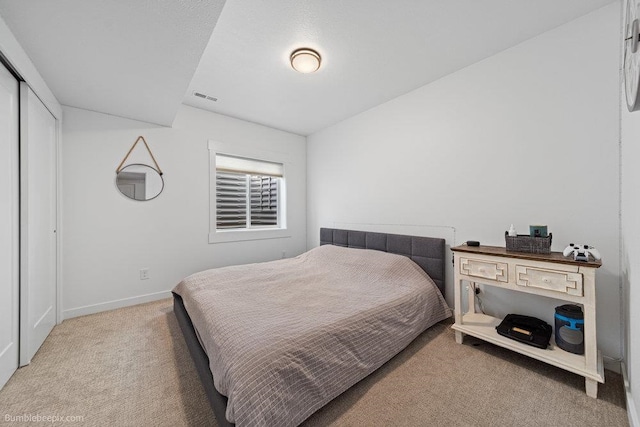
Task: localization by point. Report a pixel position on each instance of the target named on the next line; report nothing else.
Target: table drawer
(553, 280)
(497, 271)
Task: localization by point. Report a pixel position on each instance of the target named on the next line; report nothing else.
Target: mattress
(285, 337)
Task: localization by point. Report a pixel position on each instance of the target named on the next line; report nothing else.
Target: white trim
(112, 305)
(244, 235)
(247, 166)
(632, 412)
(59, 302)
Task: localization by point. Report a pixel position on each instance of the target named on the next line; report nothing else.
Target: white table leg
(591, 387)
(471, 295)
(590, 339)
(457, 307)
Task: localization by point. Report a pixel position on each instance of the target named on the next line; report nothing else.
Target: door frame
(58, 151)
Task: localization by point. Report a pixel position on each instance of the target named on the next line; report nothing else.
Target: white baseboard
(632, 412)
(111, 305)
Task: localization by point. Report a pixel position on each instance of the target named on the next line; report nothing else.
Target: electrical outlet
(144, 273)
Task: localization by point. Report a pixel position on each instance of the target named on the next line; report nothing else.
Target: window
(248, 193)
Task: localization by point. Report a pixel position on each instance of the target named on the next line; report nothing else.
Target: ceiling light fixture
(305, 60)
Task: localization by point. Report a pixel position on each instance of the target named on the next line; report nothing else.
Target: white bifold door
(38, 200)
(9, 225)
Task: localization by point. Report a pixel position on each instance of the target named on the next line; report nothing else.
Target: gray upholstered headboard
(427, 252)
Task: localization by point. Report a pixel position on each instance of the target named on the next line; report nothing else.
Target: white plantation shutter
(264, 200)
(231, 200)
(247, 193)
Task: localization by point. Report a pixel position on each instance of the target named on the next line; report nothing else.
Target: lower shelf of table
(484, 327)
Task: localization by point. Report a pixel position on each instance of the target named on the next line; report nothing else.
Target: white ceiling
(132, 59)
(372, 51)
(136, 58)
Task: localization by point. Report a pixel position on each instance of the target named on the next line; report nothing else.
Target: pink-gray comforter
(286, 337)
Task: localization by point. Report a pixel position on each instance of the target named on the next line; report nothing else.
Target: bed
(273, 342)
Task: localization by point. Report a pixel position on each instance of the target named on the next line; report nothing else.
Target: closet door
(9, 202)
(38, 153)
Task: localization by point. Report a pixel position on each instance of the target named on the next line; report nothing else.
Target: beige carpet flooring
(130, 367)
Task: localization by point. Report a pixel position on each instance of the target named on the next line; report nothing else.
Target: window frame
(258, 233)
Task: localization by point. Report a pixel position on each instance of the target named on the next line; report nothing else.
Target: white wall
(631, 254)
(528, 136)
(631, 250)
(108, 238)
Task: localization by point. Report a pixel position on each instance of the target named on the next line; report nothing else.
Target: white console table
(553, 276)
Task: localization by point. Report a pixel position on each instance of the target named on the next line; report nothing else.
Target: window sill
(244, 235)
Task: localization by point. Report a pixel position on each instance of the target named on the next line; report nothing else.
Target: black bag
(526, 329)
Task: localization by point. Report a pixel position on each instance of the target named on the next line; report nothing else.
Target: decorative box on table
(528, 244)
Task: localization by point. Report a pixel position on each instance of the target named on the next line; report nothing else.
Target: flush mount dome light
(305, 60)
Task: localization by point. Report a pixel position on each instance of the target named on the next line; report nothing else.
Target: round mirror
(139, 182)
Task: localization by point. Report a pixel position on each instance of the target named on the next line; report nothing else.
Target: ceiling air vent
(203, 96)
